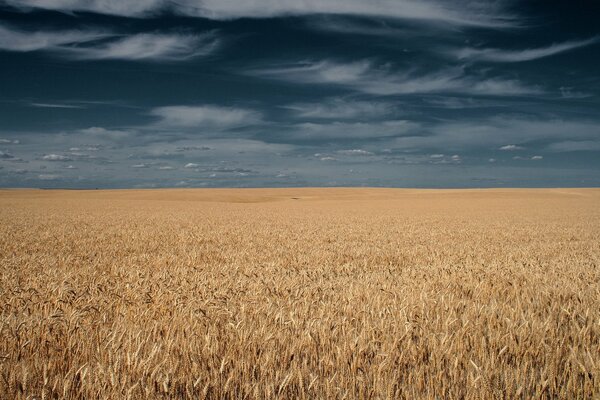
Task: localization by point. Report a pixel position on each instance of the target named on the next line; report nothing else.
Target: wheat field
(300, 293)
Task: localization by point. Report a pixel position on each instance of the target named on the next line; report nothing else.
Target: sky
(284, 93)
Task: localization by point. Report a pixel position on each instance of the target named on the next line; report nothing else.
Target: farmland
(300, 293)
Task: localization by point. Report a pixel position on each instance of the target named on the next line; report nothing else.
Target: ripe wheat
(300, 293)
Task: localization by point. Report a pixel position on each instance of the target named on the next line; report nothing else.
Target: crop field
(300, 294)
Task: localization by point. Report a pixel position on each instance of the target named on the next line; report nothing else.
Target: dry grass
(336, 294)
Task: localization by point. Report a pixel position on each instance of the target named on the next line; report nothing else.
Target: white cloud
(97, 45)
(497, 55)
(511, 147)
(147, 46)
(355, 152)
(345, 130)
(364, 76)
(339, 108)
(495, 132)
(137, 8)
(49, 177)
(569, 93)
(111, 135)
(21, 41)
(471, 13)
(205, 117)
(56, 157)
(52, 105)
(349, 26)
(6, 155)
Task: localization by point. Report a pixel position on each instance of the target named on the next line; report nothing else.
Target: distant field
(300, 293)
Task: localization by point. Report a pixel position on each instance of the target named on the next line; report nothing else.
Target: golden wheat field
(300, 293)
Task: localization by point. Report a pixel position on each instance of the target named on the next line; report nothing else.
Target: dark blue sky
(205, 93)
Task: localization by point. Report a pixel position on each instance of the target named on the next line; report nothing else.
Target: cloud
(349, 130)
(207, 117)
(461, 13)
(98, 45)
(569, 93)
(21, 41)
(511, 147)
(56, 157)
(136, 8)
(364, 76)
(50, 105)
(147, 46)
(338, 108)
(349, 26)
(497, 55)
(495, 132)
(4, 155)
(96, 133)
(49, 177)
(574, 145)
(355, 152)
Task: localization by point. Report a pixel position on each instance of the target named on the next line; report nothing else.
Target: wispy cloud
(494, 133)
(511, 147)
(497, 55)
(98, 45)
(340, 108)
(366, 77)
(349, 130)
(56, 105)
(575, 145)
(22, 41)
(462, 13)
(344, 25)
(147, 46)
(9, 141)
(355, 152)
(138, 8)
(56, 157)
(205, 117)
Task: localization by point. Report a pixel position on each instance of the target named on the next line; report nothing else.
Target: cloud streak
(22, 41)
(208, 117)
(494, 133)
(339, 108)
(309, 131)
(105, 45)
(462, 13)
(147, 46)
(512, 56)
(364, 76)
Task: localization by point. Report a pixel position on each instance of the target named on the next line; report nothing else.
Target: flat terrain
(300, 293)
